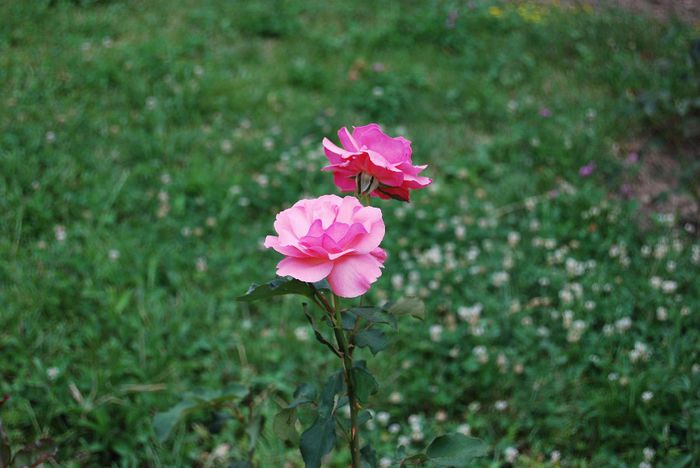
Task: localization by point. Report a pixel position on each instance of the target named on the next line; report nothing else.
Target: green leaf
(317, 441)
(277, 287)
(408, 306)
(253, 430)
(373, 338)
(368, 457)
(305, 393)
(284, 425)
(334, 385)
(164, 423)
(363, 416)
(455, 450)
(373, 315)
(365, 385)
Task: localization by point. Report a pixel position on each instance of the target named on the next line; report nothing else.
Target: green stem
(346, 355)
(347, 367)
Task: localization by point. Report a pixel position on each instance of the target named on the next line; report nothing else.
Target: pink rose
(375, 162)
(330, 237)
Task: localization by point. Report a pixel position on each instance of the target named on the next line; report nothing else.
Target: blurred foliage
(145, 148)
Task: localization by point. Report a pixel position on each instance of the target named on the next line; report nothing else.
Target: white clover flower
(394, 428)
(644, 465)
(395, 397)
(669, 287)
(301, 333)
(500, 278)
(470, 314)
(647, 396)
(511, 454)
(52, 373)
(513, 238)
(417, 436)
(385, 462)
(661, 314)
(404, 440)
(649, 453)
(501, 405)
(613, 376)
(436, 333)
(60, 233)
(568, 318)
(441, 416)
(608, 329)
(589, 305)
(623, 324)
(464, 429)
(201, 264)
(555, 456)
(481, 354)
(113, 255)
(397, 281)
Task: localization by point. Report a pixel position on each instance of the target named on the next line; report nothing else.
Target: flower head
(330, 237)
(372, 162)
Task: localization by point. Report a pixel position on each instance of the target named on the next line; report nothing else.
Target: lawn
(145, 148)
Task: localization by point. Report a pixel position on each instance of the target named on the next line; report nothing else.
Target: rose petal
(305, 269)
(353, 275)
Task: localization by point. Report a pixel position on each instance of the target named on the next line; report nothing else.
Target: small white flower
(464, 429)
(501, 405)
(60, 233)
(301, 333)
(623, 324)
(441, 416)
(661, 314)
(511, 454)
(201, 264)
(395, 397)
(645, 465)
(555, 456)
(647, 396)
(385, 462)
(404, 440)
(436, 333)
(394, 429)
(649, 453)
(513, 238)
(52, 373)
(113, 255)
(500, 278)
(669, 287)
(383, 418)
(613, 376)
(481, 354)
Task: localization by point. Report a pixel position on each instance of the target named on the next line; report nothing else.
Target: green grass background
(169, 133)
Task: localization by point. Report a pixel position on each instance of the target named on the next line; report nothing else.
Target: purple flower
(633, 157)
(587, 170)
(545, 112)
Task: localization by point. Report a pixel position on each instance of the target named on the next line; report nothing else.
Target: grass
(146, 146)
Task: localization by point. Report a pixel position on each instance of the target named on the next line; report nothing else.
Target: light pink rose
(370, 151)
(330, 237)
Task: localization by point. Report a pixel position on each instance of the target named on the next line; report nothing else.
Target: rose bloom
(372, 162)
(330, 237)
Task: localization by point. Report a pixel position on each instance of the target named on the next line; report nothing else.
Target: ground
(145, 148)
